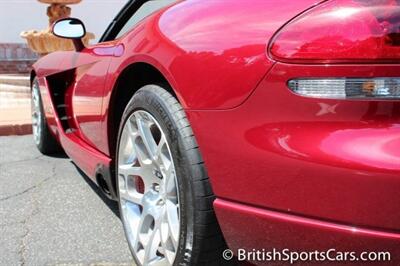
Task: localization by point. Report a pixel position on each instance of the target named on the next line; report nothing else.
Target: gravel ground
(52, 214)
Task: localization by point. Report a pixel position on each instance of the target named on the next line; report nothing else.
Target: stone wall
(16, 58)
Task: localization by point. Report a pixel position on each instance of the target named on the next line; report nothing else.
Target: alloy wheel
(148, 191)
(36, 113)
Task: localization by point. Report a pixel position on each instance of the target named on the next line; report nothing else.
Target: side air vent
(60, 86)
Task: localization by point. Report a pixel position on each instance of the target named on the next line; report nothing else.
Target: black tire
(45, 140)
(201, 241)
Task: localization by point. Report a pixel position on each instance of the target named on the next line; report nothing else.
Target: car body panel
(86, 96)
(87, 157)
(269, 231)
(264, 147)
(331, 159)
(157, 41)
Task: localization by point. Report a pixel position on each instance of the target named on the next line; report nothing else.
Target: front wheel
(44, 140)
(165, 197)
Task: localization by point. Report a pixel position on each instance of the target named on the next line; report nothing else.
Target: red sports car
(264, 126)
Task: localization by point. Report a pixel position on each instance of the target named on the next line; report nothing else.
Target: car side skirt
(252, 228)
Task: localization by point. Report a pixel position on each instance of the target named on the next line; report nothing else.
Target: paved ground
(51, 213)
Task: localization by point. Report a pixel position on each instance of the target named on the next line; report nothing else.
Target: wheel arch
(131, 79)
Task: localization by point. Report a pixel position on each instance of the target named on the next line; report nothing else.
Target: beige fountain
(44, 42)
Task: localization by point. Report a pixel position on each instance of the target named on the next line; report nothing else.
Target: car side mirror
(70, 28)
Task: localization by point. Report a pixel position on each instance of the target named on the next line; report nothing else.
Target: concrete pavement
(52, 214)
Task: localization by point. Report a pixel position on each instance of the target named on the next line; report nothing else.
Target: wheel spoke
(132, 127)
(162, 156)
(169, 182)
(159, 150)
(126, 154)
(173, 222)
(147, 136)
(152, 246)
(138, 238)
(170, 256)
(128, 170)
(167, 248)
(141, 151)
(133, 197)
